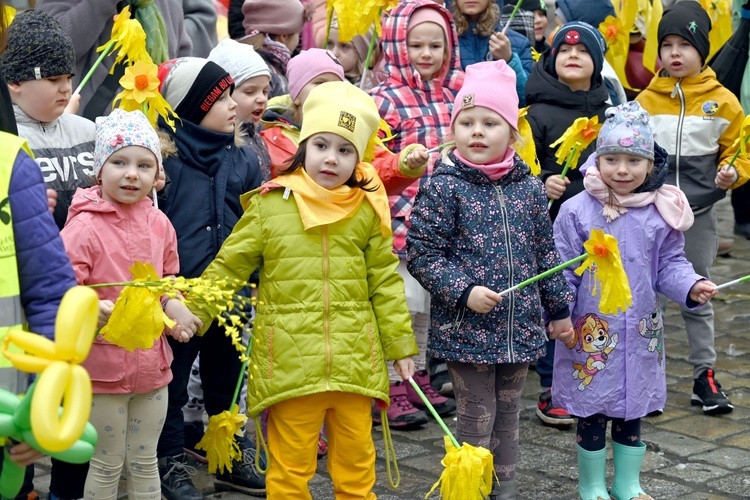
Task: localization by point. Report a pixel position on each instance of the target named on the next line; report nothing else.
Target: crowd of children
(373, 191)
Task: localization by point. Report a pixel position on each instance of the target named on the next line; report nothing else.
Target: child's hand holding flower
(482, 299)
(417, 157)
(725, 177)
(500, 47)
(405, 367)
(702, 291)
(105, 311)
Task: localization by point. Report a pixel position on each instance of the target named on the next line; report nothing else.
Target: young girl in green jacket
(331, 306)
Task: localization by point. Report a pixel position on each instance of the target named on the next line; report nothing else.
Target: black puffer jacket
(554, 108)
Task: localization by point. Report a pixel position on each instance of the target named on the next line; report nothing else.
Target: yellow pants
(293, 430)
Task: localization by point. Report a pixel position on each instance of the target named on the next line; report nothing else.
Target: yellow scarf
(319, 206)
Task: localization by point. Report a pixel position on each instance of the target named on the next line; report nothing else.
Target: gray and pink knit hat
(120, 129)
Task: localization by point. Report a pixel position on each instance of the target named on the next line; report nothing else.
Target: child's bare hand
(105, 311)
(188, 323)
(23, 454)
(562, 330)
(417, 157)
(51, 199)
(703, 291)
(725, 177)
(73, 104)
(482, 299)
(555, 186)
(404, 367)
(500, 47)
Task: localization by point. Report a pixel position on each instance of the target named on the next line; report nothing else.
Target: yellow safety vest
(11, 311)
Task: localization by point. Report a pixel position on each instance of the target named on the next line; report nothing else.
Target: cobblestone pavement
(690, 456)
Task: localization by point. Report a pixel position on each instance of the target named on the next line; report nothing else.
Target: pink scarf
(494, 171)
(669, 201)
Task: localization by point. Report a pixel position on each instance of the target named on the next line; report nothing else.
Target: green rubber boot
(628, 460)
(592, 470)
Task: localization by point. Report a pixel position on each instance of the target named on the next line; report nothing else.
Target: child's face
(472, 9)
(540, 24)
(426, 46)
(574, 66)
(43, 100)
(623, 172)
(128, 175)
(482, 136)
(344, 52)
(305, 91)
(330, 159)
(220, 118)
(251, 97)
(679, 57)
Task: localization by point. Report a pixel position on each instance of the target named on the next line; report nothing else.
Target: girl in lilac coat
(615, 368)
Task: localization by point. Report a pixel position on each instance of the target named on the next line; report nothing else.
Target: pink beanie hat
(492, 85)
(426, 14)
(277, 17)
(309, 64)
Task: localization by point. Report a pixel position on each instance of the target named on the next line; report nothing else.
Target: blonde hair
(487, 23)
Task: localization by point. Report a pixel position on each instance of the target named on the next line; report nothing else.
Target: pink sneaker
(401, 413)
(443, 406)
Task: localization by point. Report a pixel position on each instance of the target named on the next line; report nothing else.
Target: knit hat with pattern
(627, 129)
(120, 129)
(37, 48)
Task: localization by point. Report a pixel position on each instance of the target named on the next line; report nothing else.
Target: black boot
(244, 476)
(175, 479)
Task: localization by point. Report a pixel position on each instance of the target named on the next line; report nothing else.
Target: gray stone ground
(690, 456)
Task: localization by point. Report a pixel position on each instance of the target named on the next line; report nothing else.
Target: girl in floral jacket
(480, 225)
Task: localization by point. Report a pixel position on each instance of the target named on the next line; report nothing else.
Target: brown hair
(487, 23)
(298, 160)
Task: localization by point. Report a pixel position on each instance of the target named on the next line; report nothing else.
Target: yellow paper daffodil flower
(218, 442)
(526, 148)
(720, 12)
(467, 474)
(128, 38)
(575, 139)
(139, 320)
(356, 17)
(616, 32)
(605, 264)
(141, 80)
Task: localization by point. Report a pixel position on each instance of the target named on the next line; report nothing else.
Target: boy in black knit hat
(208, 169)
(696, 120)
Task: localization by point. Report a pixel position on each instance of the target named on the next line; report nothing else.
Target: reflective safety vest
(11, 311)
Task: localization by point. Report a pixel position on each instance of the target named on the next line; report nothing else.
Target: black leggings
(592, 432)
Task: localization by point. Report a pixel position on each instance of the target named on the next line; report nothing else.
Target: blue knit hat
(575, 33)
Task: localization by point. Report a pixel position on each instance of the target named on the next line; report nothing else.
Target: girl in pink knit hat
(479, 226)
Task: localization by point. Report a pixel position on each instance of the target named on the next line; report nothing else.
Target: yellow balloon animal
(62, 381)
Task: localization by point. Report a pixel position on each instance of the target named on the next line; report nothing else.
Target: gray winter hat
(37, 48)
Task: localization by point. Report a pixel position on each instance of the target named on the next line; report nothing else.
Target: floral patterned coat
(468, 230)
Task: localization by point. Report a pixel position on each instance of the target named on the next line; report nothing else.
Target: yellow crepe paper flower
(744, 134)
(140, 85)
(526, 148)
(129, 40)
(218, 442)
(9, 14)
(215, 297)
(535, 54)
(720, 12)
(357, 17)
(575, 139)
(605, 265)
(141, 80)
(139, 320)
(467, 474)
(616, 32)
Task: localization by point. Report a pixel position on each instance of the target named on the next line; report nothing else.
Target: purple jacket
(44, 271)
(617, 365)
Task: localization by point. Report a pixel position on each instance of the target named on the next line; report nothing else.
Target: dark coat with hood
(554, 108)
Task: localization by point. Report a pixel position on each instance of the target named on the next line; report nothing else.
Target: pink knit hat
(309, 64)
(492, 85)
(427, 14)
(277, 17)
